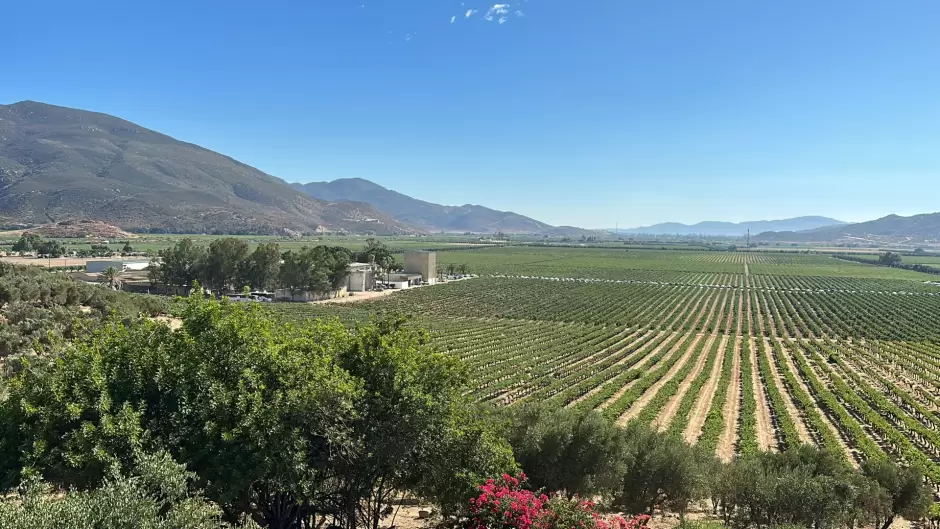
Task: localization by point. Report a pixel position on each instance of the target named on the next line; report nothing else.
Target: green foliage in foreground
(39, 309)
(637, 470)
(158, 495)
(286, 425)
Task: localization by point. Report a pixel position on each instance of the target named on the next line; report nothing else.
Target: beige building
(424, 263)
(361, 277)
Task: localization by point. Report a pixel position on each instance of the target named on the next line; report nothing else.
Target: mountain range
(733, 229)
(424, 215)
(59, 163)
(924, 227)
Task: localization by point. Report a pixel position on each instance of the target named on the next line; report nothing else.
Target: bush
(564, 450)
(157, 496)
(504, 503)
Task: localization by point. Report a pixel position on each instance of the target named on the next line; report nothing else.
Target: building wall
(96, 267)
(360, 280)
(424, 263)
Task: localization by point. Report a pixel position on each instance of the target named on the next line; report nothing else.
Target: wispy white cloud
(469, 13)
(519, 13)
(502, 20)
(496, 10)
(452, 19)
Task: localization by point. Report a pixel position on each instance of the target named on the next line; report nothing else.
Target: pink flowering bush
(504, 504)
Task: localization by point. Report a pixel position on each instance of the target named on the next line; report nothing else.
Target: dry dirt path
(798, 420)
(699, 411)
(732, 407)
(650, 392)
(763, 424)
(788, 361)
(668, 412)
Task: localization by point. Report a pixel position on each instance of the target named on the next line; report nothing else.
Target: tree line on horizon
(892, 260)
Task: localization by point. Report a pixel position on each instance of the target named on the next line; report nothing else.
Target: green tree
(563, 450)
(377, 253)
(111, 275)
(658, 471)
(101, 250)
(910, 498)
(52, 249)
(472, 450)
(127, 249)
(406, 410)
(260, 269)
(179, 266)
(293, 273)
(28, 242)
(224, 260)
(889, 259)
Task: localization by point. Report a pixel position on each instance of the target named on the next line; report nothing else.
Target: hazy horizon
(591, 114)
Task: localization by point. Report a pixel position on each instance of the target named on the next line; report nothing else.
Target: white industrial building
(399, 280)
(96, 267)
(361, 277)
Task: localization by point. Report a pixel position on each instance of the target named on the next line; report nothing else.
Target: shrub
(504, 504)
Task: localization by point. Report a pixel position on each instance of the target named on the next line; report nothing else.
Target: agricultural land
(736, 351)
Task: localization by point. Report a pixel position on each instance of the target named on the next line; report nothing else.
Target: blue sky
(588, 112)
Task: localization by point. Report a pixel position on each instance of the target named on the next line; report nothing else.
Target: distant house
(96, 267)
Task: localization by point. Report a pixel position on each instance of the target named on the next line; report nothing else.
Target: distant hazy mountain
(421, 214)
(733, 229)
(59, 164)
(925, 227)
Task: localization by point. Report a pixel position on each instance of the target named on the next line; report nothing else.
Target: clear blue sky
(587, 112)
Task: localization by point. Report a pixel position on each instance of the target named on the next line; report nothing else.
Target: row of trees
(892, 259)
(228, 265)
(33, 242)
(637, 470)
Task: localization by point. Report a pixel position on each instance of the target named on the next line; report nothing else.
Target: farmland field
(737, 351)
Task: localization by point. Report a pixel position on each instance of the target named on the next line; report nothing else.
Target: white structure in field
(96, 267)
(361, 277)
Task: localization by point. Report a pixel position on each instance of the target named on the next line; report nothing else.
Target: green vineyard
(737, 351)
